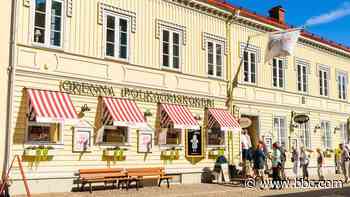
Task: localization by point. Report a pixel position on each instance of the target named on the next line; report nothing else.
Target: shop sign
(301, 118)
(86, 89)
(245, 122)
(157, 97)
(144, 142)
(194, 143)
(82, 138)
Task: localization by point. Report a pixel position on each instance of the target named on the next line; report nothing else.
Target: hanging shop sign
(245, 122)
(301, 118)
(157, 97)
(82, 138)
(194, 143)
(86, 89)
(144, 142)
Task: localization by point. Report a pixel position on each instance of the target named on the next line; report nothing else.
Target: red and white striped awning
(122, 112)
(221, 118)
(177, 116)
(51, 107)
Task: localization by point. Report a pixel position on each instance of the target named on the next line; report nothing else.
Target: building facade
(170, 64)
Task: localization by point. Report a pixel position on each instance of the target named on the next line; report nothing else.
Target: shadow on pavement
(342, 192)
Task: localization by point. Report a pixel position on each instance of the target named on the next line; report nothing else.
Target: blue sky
(298, 12)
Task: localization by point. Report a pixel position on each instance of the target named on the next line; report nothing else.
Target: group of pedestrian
(343, 160)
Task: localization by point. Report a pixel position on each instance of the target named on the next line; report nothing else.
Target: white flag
(281, 44)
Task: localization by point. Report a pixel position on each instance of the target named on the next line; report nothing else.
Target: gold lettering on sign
(155, 97)
(86, 89)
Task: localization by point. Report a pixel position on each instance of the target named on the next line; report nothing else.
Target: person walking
(337, 160)
(320, 164)
(344, 158)
(276, 166)
(259, 158)
(296, 161)
(304, 163)
(246, 145)
(283, 161)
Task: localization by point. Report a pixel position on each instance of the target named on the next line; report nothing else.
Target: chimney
(277, 13)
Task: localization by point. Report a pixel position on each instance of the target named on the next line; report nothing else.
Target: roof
(271, 21)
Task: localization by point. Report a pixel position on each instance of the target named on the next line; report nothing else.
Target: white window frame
(116, 36)
(249, 67)
(321, 82)
(48, 14)
(278, 60)
(128, 143)
(216, 145)
(166, 146)
(326, 138)
(34, 123)
(279, 129)
(306, 141)
(223, 70)
(302, 82)
(171, 32)
(342, 94)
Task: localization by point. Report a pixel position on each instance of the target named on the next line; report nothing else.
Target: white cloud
(341, 12)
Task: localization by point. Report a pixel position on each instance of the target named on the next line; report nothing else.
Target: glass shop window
(46, 133)
(170, 136)
(115, 135)
(216, 137)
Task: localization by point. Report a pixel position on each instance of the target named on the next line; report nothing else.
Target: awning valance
(177, 116)
(220, 118)
(122, 112)
(50, 106)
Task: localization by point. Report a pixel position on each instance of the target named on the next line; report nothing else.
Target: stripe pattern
(50, 106)
(177, 116)
(122, 112)
(220, 118)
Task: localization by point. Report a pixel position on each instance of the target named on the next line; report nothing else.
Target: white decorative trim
(302, 62)
(251, 48)
(26, 3)
(69, 8)
(325, 68)
(103, 6)
(160, 23)
(208, 36)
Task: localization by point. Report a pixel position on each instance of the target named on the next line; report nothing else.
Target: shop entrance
(253, 129)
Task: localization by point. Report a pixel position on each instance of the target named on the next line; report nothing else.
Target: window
(44, 133)
(249, 63)
(280, 128)
(170, 136)
(306, 135)
(215, 59)
(216, 137)
(115, 135)
(323, 77)
(278, 73)
(326, 128)
(342, 86)
(302, 78)
(344, 133)
(170, 49)
(48, 22)
(117, 36)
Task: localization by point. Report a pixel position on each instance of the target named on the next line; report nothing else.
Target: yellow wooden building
(82, 66)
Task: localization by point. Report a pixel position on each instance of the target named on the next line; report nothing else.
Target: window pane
(304, 79)
(166, 60)
(218, 55)
(173, 136)
(39, 35)
(176, 51)
(123, 52)
(56, 8)
(110, 49)
(210, 69)
(115, 135)
(246, 66)
(252, 67)
(111, 22)
(176, 38)
(110, 36)
(39, 133)
(325, 84)
(299, 78)
(123, 25)
(40, 5)
(274, 72)
(40, 20)
(165, 48)
(55, 38)
(219, 71)
(216, 136)
(321, 82)
(123, 38)
(176, 62)
(165, 36)
(56, 23)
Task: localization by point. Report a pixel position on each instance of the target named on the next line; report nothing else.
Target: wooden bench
(105, 175)
(139, 174)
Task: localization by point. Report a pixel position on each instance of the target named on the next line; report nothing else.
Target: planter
(170, 155)
(108, 153)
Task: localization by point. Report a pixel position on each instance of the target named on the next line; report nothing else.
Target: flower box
(109, 153)
(30, 152)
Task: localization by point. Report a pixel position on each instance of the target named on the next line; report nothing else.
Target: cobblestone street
(204, 190)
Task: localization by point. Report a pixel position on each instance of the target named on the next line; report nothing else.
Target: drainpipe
(10, 87)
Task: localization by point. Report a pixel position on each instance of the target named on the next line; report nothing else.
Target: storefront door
(253, 129)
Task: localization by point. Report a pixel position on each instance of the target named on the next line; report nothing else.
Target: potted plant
(30, 151)
(116, 153)
(171, 154)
